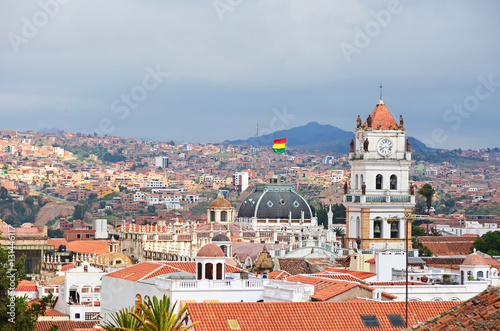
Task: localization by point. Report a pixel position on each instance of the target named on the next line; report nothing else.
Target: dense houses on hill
(228, 232)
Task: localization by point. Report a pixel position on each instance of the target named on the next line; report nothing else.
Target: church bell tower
(379, 194)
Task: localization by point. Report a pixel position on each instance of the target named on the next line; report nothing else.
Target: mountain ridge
(315, 137)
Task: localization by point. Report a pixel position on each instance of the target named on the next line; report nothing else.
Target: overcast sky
(207, 71)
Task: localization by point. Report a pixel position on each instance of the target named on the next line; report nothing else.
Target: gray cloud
(227, 75)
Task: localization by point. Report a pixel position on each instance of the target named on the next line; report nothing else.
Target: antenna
(66, 124)
(380, 90)
(257, 137)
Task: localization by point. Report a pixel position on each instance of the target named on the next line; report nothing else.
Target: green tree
(15, 315)
(427, 191)
(488, 242)
(154, 314)
(80, 210)
(151, 209)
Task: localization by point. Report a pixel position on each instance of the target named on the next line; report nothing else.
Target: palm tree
(159, 316)
(427, 191)
(154, 315)
(122, 320)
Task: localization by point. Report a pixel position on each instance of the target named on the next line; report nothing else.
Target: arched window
(362, 180)
(395, 229)
(479, 274)
(394, 182)
(358, 227)
(199, 270)
(219, 271)
(378, 182)
(138, 301)
(212, 216)
(223, 216)
(469, 275)
(377, 228)
(356, 183)
(209, 271)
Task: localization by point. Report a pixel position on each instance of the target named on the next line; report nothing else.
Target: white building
(208, 279)
(379, 195)
(101, 228)
(80, 295)
(161, 161)
(240, 181)
(155, 183)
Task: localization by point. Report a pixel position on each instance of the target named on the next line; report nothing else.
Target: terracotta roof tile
(65, 325)
(89, 246)
(210, 250)
(299, 316)
(294, 266)
(26, 286)
(146, 270)
(481, 312)
(381, 118)
(57, 242)
(357, 274)
(448, 245)
(278, 274)
(475, 259)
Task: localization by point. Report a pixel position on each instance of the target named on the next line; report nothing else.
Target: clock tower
(379, 194)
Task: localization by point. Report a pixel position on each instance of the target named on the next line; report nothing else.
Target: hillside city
(102, 223)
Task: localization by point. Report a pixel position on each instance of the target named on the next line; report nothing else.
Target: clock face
(385, 146)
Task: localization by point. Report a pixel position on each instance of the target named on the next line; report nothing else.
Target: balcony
(380, 198)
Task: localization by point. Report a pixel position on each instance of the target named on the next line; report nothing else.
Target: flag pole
(286, 167)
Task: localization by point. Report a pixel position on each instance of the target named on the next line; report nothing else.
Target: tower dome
(220, 237)
(273, 201)
(210, 250)
(220, 202)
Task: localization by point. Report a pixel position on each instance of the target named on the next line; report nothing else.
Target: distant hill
(315, 137)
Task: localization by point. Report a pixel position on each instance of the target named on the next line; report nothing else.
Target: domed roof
(475, 259)
(382, 118)
(220, 237)
(274, 201)
(220, 202)
(210, 250)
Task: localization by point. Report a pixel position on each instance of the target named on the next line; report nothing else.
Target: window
(91, 316)
(395, 229)
(370, 321)
(200, 270)
(377, 228)
(138, 301)
(219, 271)
(223, 216)
(479, 274)
(356, 183)
(78, 236)
(394, 182)
(77, 315)
(396, 320)
(212, 216)
(378, 182)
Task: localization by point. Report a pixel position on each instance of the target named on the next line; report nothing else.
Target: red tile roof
(65, 325)
(278, 274)
(26, 286)
(481, 312)
(89, 246)
(67, 266)
(357, 274)
(326, 289)
(57, 242)
(146, 270)
(298, 316)
(475, 259)
(381, 118)
(210, 250)
(448, 245)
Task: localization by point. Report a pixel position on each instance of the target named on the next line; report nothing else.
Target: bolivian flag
(279, 145)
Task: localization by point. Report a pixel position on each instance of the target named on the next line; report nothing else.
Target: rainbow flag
(279, 145)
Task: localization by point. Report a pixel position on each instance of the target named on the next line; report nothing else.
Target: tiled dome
(475, 259)
(220, 202)
(382, 118)
(220, 237)
(210, 250)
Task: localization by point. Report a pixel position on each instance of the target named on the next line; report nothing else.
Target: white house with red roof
(207, 279)
(80, 294)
